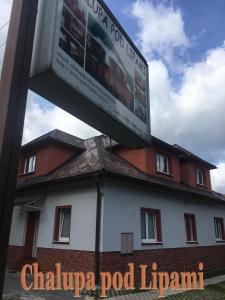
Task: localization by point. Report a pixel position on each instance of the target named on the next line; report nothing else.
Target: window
(29, 165)
(190, 224)
(162, 163)
(126, 243)
(150, 226)
(219, 229)
(62, 224)
(200, 177)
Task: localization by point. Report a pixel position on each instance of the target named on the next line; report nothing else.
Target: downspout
(98, 231)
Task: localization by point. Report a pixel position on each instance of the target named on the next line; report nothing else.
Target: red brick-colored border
(15, 255)
(176, 259)
(173, 259)
(71, 260)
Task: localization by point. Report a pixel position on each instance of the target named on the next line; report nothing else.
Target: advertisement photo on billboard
(92, 54)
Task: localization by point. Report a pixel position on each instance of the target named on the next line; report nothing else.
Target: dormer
(195, 171)
(46, 153)
(160, 159)
(170, 162)
(163, 160)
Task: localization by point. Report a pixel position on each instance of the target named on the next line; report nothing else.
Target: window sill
(203, 186)
(151, 243)
(192, 242)
(164, 174)
(26, 174)
(61, 242)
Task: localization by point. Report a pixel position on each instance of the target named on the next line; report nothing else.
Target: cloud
(192, 112)
(218, 178)
(161, 29)
(193, 115)
(42, 117)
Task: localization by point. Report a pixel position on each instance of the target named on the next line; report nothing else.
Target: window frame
(158, 226)
(27, 164)
(191, 235)
(58, 225)
(218, 219)
(158, 160)
(201, 171)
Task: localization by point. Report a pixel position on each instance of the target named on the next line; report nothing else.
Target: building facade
(94, 205)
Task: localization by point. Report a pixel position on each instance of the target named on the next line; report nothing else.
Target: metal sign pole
(13, 95)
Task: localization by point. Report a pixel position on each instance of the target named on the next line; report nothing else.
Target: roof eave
(124, 177)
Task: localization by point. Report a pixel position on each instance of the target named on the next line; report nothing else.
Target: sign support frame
(13, 97)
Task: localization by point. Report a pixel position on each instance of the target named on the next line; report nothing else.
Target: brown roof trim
(159, 186)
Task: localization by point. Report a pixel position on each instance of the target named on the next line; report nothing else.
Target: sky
(184, 44)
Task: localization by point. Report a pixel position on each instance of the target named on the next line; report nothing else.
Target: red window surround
(57, 223)
(220, 236)
(158, 222)
(191, 231)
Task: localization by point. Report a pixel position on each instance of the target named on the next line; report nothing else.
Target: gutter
(98, 231)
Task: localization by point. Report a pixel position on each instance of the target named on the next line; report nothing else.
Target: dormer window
(162, 163)
(29, 166)
(200, 177)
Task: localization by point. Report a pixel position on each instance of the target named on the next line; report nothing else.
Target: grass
(211, 292)
(210, 274)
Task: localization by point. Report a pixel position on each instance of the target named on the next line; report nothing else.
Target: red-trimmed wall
(48, 158)
(137, 157)
(145, 160)
(174, 164)
(188, 175)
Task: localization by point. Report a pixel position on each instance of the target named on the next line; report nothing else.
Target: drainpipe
(98, 232)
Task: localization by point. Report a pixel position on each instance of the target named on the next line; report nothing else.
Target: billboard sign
(84, 62)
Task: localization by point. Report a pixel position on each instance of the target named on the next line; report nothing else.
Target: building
(95, 206)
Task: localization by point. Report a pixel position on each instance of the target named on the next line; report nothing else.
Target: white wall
(83, 219)
(121, 213)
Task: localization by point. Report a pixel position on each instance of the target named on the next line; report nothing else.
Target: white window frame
(198, 172)
(218, 221)
(30, 164)
(147, 240)
(61, 219)
(159, 158)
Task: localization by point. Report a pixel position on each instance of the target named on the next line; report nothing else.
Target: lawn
(211, 292)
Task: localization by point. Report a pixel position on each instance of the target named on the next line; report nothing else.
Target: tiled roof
(57, 136)
(97, 158)
(187, 155)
